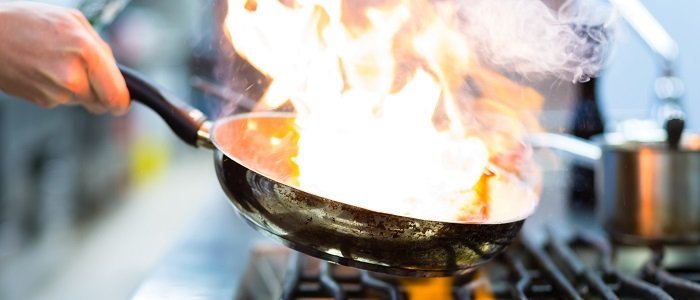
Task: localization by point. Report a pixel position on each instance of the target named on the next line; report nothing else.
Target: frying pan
(251, 154)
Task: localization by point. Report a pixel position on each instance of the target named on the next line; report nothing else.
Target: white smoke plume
(530, 38)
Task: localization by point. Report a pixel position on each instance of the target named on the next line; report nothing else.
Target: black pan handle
(188, 123)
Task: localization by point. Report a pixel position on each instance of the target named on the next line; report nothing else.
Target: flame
(428, 288)
(395, 112)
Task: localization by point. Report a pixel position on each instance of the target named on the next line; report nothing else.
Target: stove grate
(578, 266)
(310, 278)
(679, 286)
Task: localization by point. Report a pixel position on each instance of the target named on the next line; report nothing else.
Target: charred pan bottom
(357, 237)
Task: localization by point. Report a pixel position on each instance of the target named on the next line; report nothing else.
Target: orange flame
(395, 113)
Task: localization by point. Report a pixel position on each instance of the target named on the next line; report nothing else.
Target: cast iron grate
(579, 266)
(310, 278)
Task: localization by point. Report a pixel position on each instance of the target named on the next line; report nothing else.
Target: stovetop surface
(578, 265)
(560, 254)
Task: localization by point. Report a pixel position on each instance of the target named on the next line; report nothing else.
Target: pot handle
(188, 123)
(579, 149)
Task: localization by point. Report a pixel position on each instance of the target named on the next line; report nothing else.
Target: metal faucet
(669, 88)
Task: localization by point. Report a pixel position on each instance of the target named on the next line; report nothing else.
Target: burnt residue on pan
(358, 237)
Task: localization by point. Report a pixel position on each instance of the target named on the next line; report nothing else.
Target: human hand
(51, 55)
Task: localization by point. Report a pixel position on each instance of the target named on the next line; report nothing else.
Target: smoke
(529, 38)
(397, 85)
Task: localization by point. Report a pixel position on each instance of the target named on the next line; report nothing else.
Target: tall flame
(396, 112)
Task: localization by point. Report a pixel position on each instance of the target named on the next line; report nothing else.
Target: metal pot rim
(690, 143)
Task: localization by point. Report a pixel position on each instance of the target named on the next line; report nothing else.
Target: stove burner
(333, 281)
(580, 266)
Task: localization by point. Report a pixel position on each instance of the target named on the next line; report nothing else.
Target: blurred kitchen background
(90, 206)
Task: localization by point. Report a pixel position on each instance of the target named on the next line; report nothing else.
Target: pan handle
(188, 123)
(579, 149)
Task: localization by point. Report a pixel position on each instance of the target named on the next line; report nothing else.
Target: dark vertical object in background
(223, 82)
(204, 53)
(587, 122)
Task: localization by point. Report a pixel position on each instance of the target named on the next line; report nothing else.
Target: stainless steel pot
(647, 191)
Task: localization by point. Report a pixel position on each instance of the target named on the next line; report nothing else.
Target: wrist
(4, 7)
(6, 12)
(4, 23)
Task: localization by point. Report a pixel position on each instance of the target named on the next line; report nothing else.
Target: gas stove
(581, 265)
(561, 253)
